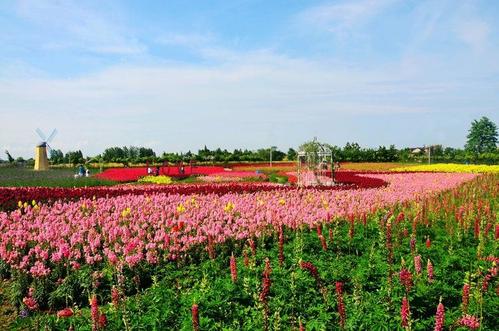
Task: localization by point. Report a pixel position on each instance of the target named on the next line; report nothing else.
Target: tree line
(481, 147)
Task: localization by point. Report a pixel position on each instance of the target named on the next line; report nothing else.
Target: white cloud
(162, 105)
(343, 17)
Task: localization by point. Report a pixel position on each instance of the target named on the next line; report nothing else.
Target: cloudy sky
(178, 75)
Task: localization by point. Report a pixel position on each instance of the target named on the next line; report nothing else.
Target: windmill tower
(41, 159)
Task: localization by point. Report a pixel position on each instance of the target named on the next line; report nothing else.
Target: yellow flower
(229, 207)
(20, 204)
(126, 212)
(33, 203)
(451, 167)
(156, 180)
(282, 202)
(180, 208)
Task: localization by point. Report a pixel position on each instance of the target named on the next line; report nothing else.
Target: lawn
(21, 176)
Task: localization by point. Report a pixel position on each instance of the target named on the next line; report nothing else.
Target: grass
(21, 176)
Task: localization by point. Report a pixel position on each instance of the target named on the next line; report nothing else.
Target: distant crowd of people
(157, 170)
(82, 172)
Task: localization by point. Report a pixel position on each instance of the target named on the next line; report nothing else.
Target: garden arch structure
(315, 165)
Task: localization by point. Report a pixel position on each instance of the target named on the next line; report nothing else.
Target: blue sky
(178, 75)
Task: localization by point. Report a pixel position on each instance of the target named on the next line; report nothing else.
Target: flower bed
(129, 229)
(314, 259)
(156, 180)
(133, 174)
(450, 167)
(10, 196)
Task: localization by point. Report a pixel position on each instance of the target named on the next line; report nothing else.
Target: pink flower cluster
(127, 230)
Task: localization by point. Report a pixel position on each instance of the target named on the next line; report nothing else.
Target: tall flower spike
(341, 304)
(440, 316)
(233, 268)
(94, 312)
(466, 297)
(266, 281)
(195, 317)
(281, 246)
(429, 270)
(405, 312)
(417, 264)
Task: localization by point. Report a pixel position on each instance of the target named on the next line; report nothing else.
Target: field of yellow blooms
(451, 167)
(156, 180)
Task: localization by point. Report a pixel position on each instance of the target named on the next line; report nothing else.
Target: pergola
(315, 165)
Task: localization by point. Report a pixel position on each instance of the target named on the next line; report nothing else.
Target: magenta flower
(405, 312)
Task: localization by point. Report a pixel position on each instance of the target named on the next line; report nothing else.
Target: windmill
(41, 159)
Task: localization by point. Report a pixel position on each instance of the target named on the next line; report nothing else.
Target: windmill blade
(40, 133)
(49, 149)
(52, 135)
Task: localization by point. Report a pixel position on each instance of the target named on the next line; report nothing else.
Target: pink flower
(429, 270)
(417, 264)
(469, 321)
(440, 316)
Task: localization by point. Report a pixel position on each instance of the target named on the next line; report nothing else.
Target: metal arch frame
(318, 162)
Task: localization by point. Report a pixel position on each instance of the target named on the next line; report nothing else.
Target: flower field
(390, 250)
(133, 174)
(450, 167)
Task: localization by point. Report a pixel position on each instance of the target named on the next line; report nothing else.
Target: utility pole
(273, 148)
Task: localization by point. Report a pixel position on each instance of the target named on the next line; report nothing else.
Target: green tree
(56, 156)
(291, 155)
(482, 137)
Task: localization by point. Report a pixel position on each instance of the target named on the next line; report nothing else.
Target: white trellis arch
(315, 165)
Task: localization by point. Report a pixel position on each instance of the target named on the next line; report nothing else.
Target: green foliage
(482, 137)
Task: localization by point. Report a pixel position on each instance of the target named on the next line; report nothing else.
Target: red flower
(66, 312)
(429, 270)
(30, 303)
(341, 304)
(466, 297)
(266, 282)
(195, 317)
(406, 279)
(233, 268)
(102, 320)
(281, 246)
(312, 269)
